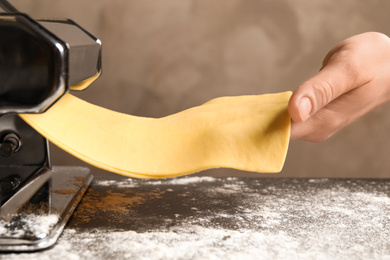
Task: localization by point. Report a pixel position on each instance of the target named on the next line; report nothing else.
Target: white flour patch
(131, 183)
(195, 242)
(177, 243)
(36, 224)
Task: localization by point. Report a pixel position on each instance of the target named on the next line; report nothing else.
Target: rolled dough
(249, 133)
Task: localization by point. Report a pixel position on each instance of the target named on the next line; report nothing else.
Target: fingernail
(304, 108)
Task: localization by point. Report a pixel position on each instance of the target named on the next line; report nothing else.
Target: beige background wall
(161, 57)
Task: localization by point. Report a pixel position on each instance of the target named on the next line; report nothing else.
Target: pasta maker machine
(40, 61)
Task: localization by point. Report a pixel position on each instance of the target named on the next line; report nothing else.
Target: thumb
(334, 79)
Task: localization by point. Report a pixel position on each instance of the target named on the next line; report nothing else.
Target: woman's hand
(354, 79)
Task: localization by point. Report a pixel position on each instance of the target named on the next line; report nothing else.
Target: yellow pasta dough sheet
(248, 133)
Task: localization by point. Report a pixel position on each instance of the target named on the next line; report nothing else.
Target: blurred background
(160, 57)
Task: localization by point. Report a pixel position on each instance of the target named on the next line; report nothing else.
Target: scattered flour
(131, 183)
(291, 220)
(28, 224)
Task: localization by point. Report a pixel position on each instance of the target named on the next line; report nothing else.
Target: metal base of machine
(38, 224)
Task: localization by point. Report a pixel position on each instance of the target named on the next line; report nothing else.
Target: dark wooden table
(227, 218)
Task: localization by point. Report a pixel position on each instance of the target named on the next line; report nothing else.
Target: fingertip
(293, 109)
(305, 108)
(299, 107)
